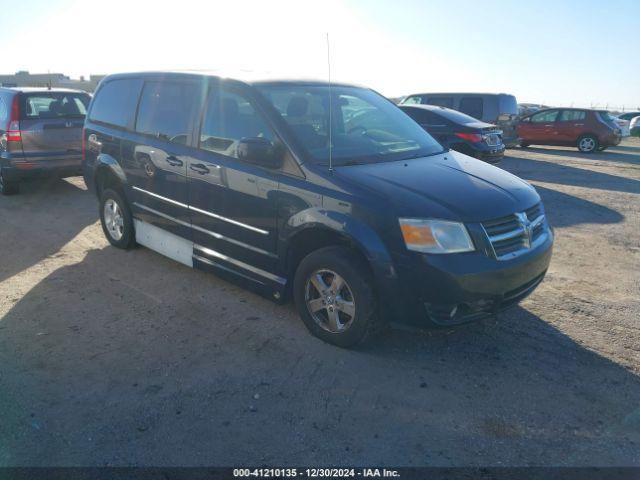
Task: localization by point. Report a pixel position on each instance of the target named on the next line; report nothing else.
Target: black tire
(346, 263)
(602, 149)
(127, 239)
(7, 187)
(587, 144)
(524, 145)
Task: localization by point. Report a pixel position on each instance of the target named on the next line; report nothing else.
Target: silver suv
(40, 134)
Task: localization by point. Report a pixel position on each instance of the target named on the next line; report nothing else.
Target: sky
(570, 52)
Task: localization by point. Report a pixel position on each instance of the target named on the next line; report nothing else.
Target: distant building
(26, 79)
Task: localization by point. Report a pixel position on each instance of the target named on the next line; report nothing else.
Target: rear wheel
(588, 144)
(116, 220)
(334, 295)
(8, 187)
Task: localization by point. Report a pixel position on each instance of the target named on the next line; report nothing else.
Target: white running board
(163, 242)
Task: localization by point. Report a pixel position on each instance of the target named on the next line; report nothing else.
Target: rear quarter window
(115, 102)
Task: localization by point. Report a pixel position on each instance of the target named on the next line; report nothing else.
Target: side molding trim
(238, 263)
(203, 212)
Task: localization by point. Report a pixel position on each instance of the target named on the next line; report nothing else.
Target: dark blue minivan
(326, 193)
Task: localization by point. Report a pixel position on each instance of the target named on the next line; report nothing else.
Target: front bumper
(452, 289)
(611, 140)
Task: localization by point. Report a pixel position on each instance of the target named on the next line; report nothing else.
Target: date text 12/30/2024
(315, 473)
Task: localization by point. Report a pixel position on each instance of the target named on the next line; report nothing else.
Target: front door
(232, 203)
(540, 128)
(155, 157)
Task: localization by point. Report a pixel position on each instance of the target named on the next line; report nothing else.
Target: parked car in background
(40, 134)
(525, 109)
(588, 130)
(499, 109)
(622, 124)
(634, 126)
(459, 132)
(628, 115)
(331, 195)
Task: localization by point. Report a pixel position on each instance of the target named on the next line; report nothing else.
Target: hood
(449, 185)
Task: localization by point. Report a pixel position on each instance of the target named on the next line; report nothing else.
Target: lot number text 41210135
(315, 473)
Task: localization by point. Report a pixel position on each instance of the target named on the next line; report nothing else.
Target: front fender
(363, 237)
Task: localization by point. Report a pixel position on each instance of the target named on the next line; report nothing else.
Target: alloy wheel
(587, 144)
(330, 301)
(113, 219)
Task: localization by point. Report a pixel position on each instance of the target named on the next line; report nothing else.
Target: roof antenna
(330, 107)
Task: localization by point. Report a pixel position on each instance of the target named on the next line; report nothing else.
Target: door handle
(200, 168)
(174, 161)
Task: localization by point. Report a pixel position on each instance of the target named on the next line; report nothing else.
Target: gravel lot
(128, 358)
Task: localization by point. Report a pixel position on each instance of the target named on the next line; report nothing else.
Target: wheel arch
(588, 133)
(108, 174)
(312, 229)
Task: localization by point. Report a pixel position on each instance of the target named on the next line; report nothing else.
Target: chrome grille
(515, 234)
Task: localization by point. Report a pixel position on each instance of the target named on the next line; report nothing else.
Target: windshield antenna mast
(330, 107)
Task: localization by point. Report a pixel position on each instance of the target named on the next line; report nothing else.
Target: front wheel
(116, 220)
(334, 295)
(588, 144)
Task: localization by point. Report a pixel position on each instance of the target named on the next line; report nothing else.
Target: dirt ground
(128, 358)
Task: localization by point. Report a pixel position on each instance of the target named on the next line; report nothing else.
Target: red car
(589, 130)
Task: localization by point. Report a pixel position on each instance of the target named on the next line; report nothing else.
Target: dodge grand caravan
(281, 186)
(40, 134)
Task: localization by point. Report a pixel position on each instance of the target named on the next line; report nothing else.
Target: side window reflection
(230, 117)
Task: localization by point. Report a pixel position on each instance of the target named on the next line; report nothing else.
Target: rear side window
(115, 102)
(472, 106)
(572, 115)
(441, 101)
(545, 117)
(52, 105)
(167, 110)
(229, 118)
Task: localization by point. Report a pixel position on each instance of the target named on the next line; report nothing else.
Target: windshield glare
(365, 127)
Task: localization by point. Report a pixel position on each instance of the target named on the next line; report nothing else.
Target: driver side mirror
(260, 151)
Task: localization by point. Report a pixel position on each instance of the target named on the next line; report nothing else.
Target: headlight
(435, 236)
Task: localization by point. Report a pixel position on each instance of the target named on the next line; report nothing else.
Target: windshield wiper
(423, 155)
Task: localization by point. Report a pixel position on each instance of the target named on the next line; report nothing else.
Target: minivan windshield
(365, 127)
